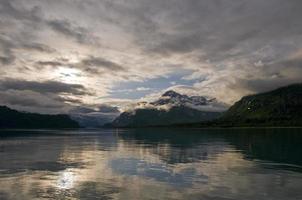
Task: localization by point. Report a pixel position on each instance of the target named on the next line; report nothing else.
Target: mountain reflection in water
(151, 164)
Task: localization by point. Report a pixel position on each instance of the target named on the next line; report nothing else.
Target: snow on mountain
(171, 108)
(171, 98)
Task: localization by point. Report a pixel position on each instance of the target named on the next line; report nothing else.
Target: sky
(57, 55)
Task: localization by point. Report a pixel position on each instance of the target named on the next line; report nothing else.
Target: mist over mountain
(92, 118)
(171, 108)
(280, 107)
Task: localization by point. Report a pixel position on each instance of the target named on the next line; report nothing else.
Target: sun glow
(68, 75)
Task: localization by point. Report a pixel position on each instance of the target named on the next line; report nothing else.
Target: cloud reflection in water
(149, 164)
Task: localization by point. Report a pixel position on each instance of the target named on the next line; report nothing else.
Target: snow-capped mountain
(202, 103)
(171, 108)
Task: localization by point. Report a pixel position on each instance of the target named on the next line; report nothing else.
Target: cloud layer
(55, 55)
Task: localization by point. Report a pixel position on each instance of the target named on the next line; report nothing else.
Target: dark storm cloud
(43, 87)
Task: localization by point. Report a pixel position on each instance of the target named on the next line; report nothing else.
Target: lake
(209, 164)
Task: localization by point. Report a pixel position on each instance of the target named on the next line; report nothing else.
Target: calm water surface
(222, 164)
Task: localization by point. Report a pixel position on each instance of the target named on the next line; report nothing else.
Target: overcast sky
(57, 54)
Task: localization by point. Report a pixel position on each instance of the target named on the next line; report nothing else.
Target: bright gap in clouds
(138, 89)
(69, 75)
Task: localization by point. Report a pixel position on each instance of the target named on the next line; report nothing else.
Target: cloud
(38, 47)
(242, 25)
(228, 48)
(66, 28)
(275, 75)
(43, 87)
(26, 99)
(91, 64)
(33, 102)
(7, 56)
(7, 59)
(69, 100)
(143, 89)
(96, 63)
(49, 63)
(42, 97)
(12, 9)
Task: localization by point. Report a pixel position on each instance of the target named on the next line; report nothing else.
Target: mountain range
(171, 108)
(280, 107)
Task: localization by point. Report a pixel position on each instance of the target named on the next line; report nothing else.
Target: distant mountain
(90, 118)
(93, 119)
(280, 107)
(171, 108)
(154, 117)
(172, 97)
(10, 118)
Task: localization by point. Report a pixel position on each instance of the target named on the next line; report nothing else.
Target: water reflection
(151, 164)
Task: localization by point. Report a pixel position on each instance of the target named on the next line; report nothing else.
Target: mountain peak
(171, 108)
(172, 98)
(171, 93)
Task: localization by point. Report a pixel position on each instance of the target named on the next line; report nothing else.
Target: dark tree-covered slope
(282, 106)
(10, 118)
(155, 117)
